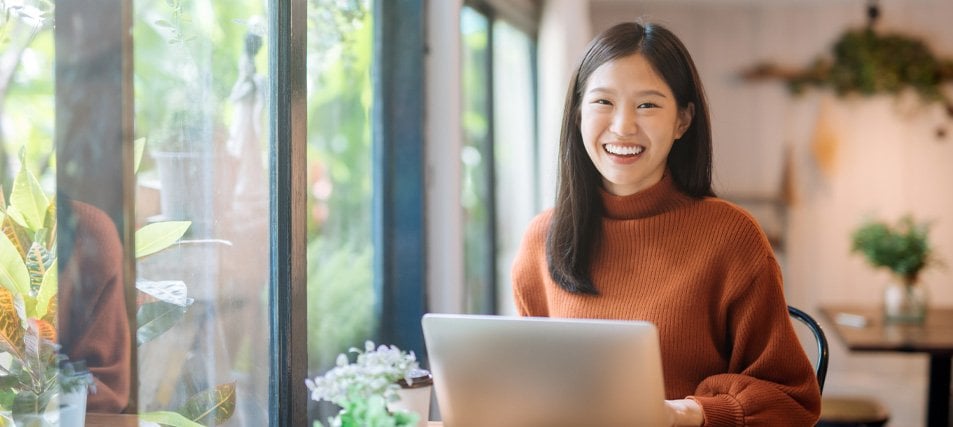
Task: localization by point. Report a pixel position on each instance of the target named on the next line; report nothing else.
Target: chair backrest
(823, 355)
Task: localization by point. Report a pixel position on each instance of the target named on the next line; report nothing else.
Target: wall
(886, 159)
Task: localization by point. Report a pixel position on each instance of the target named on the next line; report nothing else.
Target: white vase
(73, 408)
(415, 397)
(905, 302)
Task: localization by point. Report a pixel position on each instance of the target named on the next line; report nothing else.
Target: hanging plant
(864, 62)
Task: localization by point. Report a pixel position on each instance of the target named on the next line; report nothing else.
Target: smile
(623, 150)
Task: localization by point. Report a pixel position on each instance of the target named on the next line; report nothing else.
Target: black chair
(823, 354)
(839, 411)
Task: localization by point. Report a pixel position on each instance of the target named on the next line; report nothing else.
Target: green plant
(28, 307)
(363, 388)
(902, 248)
(865, 62)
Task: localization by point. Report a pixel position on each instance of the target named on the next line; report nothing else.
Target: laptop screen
(524, 372)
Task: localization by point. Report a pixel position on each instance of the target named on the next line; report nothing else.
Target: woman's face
(629, 121)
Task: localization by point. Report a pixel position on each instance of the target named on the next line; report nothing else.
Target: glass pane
(341, 297)
(200, 96)
(477, 164)
(28, 285)
(514, 148)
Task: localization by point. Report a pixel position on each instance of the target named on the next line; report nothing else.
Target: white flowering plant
(363, 388)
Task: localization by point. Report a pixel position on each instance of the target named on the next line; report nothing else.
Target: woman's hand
(684, 412)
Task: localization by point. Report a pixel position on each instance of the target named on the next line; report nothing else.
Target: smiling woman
(638, 234)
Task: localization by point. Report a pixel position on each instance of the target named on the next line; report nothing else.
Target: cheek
(589, 127)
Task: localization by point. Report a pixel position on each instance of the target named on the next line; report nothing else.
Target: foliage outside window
(340, 274)
(477, 162)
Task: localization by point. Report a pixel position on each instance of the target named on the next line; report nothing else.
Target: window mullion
(288, 287)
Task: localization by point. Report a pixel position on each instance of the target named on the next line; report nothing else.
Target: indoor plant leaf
(38, 260)
(18, 234)
(137, 148)
(50, 224)
(155, 237)
(28, 201)
(155, 318)
(47, 291)
(173, 419)
(212, 407)
(13, 272)
(11, 328)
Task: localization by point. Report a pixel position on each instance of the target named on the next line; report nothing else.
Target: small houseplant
(365, 388)
(903, 249)
(32, 370)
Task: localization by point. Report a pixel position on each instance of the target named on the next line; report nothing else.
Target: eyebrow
(639, 93)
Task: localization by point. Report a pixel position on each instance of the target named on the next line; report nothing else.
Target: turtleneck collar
(661, 197)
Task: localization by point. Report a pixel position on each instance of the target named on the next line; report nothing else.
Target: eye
(648, 105)
(601, 101)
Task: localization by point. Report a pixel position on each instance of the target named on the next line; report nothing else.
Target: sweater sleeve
(770, 380)
(94, 321)
(530, 272)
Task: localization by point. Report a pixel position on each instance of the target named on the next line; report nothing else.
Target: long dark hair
(576, 222)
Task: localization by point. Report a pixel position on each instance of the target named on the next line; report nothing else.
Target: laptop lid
(544, 372)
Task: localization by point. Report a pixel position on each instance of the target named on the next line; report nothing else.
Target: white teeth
(624, 150)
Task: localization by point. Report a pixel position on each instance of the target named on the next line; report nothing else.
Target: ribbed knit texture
(703, 272)
(93, 326)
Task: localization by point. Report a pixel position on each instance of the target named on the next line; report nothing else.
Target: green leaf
(139, 145)
(163, 23)
(13, 273)
(11, 326)
(28, 202)
(155, 318)
(212, 407)
(166, 418)
(18, 234)
(155, 237)
(38, 260)
(47, 291)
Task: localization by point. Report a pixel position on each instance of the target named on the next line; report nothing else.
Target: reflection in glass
(200, 106)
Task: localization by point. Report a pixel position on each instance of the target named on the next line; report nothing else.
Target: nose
(623, 121)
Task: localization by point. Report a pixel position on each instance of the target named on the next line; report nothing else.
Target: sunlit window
(341, 297)
(498, 154)
(200, 96)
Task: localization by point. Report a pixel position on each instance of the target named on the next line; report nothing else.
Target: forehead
(628, 73)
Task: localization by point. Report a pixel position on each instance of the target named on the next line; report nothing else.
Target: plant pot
(73, 408)
(415, 397)
(905, 303)
(190, 188)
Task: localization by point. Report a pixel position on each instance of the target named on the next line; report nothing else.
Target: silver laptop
(498, 371)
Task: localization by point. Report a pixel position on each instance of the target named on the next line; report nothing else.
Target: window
(340, 248)
(195, 128)
(498, 154)
(201, 93)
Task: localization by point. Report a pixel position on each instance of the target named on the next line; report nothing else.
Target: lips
(624, 150)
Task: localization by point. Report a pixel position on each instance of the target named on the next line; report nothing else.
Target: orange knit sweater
(703, 272)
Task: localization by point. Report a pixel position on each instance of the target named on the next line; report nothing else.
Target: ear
(685, 116)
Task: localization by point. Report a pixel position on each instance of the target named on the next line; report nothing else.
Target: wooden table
(934, 337)
(113, 420)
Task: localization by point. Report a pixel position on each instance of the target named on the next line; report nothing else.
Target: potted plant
(369, 390)
(904, 250)
(37, 383)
